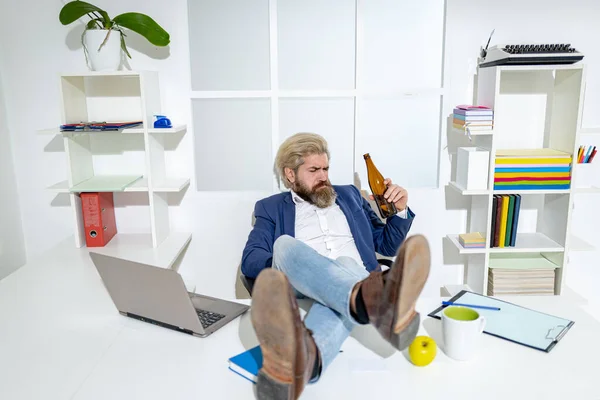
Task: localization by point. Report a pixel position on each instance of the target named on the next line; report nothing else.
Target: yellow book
(531, 153)
(517, 161)
(503, 221)
(473, 237)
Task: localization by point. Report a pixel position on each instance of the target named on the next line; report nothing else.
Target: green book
(521, 261)
(509, 220)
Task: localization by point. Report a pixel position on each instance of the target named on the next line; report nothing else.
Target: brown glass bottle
(378, 188)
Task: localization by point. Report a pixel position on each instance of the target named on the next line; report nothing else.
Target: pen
(449, 303)
(592, 155)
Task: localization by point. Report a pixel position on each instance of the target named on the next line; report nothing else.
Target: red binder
(98, 218)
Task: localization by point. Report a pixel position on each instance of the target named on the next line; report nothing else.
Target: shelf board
(578, 244)
(174, 129)
(542, 67)
(475, 192)
(137, 130)
(138, 248)
(84, 73)
(525, 243)
(587, 190)
(466, 192)
(530, 243)
(60, 187)
(49, 131)
(461, 249)
(110, 183)
(141, 185)
(172, 185)
(595, 130)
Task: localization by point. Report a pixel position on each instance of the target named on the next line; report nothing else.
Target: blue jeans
(329, 283)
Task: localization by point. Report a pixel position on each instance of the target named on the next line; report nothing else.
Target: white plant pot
(108, 58)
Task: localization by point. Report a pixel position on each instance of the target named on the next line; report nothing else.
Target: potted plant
(103, 37)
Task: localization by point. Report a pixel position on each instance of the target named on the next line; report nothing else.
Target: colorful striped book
(532, 169)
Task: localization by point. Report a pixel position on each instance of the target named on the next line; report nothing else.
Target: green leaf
(93, 24)
(145, 26)
(76, 9)
(123, 46)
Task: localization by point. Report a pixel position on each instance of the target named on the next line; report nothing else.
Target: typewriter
(529, 54)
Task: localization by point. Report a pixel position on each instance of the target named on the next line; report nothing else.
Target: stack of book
(507, 281)
(532, 169)
(475, 118)
(524, 274)
(473, 240)
(505, 219)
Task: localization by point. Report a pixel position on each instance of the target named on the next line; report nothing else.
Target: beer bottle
(378, 188)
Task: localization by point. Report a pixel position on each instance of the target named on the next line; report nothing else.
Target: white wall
(220, 221)
(12, 246)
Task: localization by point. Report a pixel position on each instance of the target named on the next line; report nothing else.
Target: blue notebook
(247, 364)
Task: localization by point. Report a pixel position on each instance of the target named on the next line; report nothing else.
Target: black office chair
(249, 282)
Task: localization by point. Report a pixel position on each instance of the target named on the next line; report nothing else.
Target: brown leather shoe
(289, 351)
(390, 296)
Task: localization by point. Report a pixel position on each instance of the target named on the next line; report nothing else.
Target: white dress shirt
(326, 230)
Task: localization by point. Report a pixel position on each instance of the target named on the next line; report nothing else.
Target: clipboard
(514, 323)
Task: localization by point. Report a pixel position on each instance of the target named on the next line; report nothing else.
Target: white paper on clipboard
(515, 323)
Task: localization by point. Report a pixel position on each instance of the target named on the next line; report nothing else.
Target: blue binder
(515, 323)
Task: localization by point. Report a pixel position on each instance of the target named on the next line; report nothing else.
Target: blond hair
(292, 151)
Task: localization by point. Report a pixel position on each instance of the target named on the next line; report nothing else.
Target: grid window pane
(229, 44)
(316, 44)
(233, 144)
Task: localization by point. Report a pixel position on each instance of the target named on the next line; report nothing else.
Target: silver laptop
(158, 296)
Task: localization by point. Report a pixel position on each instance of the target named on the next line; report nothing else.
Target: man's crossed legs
(345, 294)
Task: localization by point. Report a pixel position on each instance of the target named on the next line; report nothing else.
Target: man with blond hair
(319, 241)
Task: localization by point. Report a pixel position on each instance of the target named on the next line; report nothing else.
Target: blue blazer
(276, 216)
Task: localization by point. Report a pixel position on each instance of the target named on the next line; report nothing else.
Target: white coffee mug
(462, 329)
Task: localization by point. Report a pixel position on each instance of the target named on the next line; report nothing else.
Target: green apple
(422, 351)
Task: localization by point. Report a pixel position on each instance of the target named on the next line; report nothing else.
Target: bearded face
(321, 194)
(311, 182)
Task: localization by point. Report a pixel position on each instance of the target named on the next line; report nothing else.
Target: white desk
(61, 338)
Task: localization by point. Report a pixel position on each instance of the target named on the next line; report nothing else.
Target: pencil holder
(586, 175)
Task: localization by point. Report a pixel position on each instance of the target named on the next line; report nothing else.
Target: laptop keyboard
(208, 318)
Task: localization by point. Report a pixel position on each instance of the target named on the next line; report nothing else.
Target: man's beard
(323, 195)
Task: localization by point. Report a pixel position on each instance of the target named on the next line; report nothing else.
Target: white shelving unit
(534, 107)
(101, 156)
